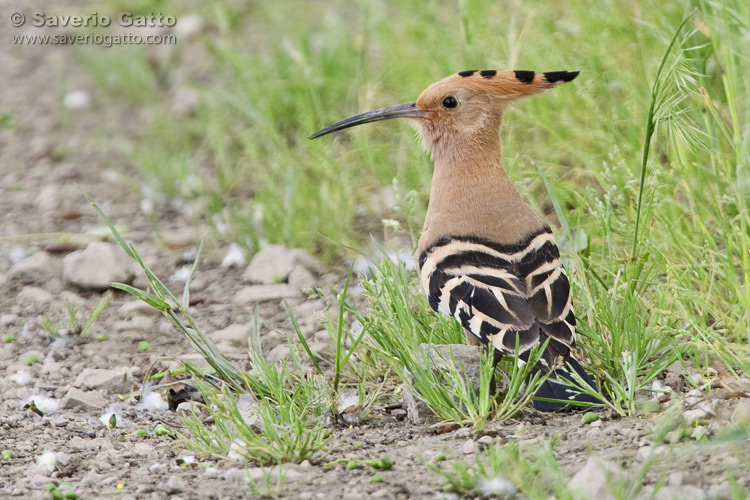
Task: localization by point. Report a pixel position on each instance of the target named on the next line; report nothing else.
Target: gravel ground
(76, 380)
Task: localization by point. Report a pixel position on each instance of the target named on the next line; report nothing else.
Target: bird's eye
(450, 102)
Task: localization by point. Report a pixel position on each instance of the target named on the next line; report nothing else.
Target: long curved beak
(406, 110)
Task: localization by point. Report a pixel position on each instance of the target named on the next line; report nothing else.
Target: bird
(486, 257)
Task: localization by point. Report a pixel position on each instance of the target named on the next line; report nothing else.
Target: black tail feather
(555, 390)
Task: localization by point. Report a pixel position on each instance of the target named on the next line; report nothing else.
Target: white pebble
(46, 404)
(181, 275)
(78, 99)
(46, 461)
(17, 253)
(21, 377)
(235, 257)
(152, 400)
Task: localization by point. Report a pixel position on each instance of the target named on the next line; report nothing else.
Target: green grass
(642, 165)
(67, 322)
(682, 206)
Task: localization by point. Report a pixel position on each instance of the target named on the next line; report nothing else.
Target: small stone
(469, 447)
(88, 400)
(35, 295)
(189, 26)
(701, 412)
(721, 491)
(37, 268)
(674, 478)
(114, 381)
(157, 469)
(593, 479)
(175, 485)
(499, 486)
(77, 99)
(7, 319)
(485, 440)
(301, 278)
(278, 353)
(235, 475)
(741, 413)
(135, 307)
(262, 293)
(235, 257)
(184, 100)
(16, 253)
(594, 432)
(383, 493)
(236, 335)
(274, 264)
(687, 492)
(399, 414)
(643, 453)
(95, 267)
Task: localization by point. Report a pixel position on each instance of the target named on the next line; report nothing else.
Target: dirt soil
(49, 148)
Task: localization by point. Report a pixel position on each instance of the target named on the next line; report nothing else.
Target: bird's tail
(551, 389)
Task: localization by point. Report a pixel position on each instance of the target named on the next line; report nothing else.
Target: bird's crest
(503, 84)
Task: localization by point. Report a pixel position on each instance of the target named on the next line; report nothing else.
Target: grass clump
(67, 322)
(291, 410)
(404, 330)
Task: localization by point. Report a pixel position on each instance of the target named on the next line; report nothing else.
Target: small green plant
(404, 328)
(291, 409)
(270, 488)
(501, 470)
(67, 322)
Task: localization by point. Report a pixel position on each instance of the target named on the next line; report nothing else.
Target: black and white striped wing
(502, 294)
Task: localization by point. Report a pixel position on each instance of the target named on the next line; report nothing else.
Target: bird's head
(461, 110)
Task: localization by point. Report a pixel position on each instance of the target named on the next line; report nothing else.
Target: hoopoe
(486, 257)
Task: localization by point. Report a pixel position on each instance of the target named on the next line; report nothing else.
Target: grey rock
(235, 335)
(398, 414)
(498, 486)
(687, 492)
(34, 295)
(700, 411)
(262, 293)
(301, 278)
(37, 268)
(62, 458)
(593, 479)
(593, 433)
(7, 319)
(235, 257)
(97, 266)
(485, 440)
(86, 400)
(721, 491)
(323, 350)
(175, 485)
(135, 307)
(274, 264)
(278, 353)
(195, 358)
(114, 381)
(469, 447)
(741, 413)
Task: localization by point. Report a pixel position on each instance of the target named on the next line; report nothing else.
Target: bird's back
(502, 293)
